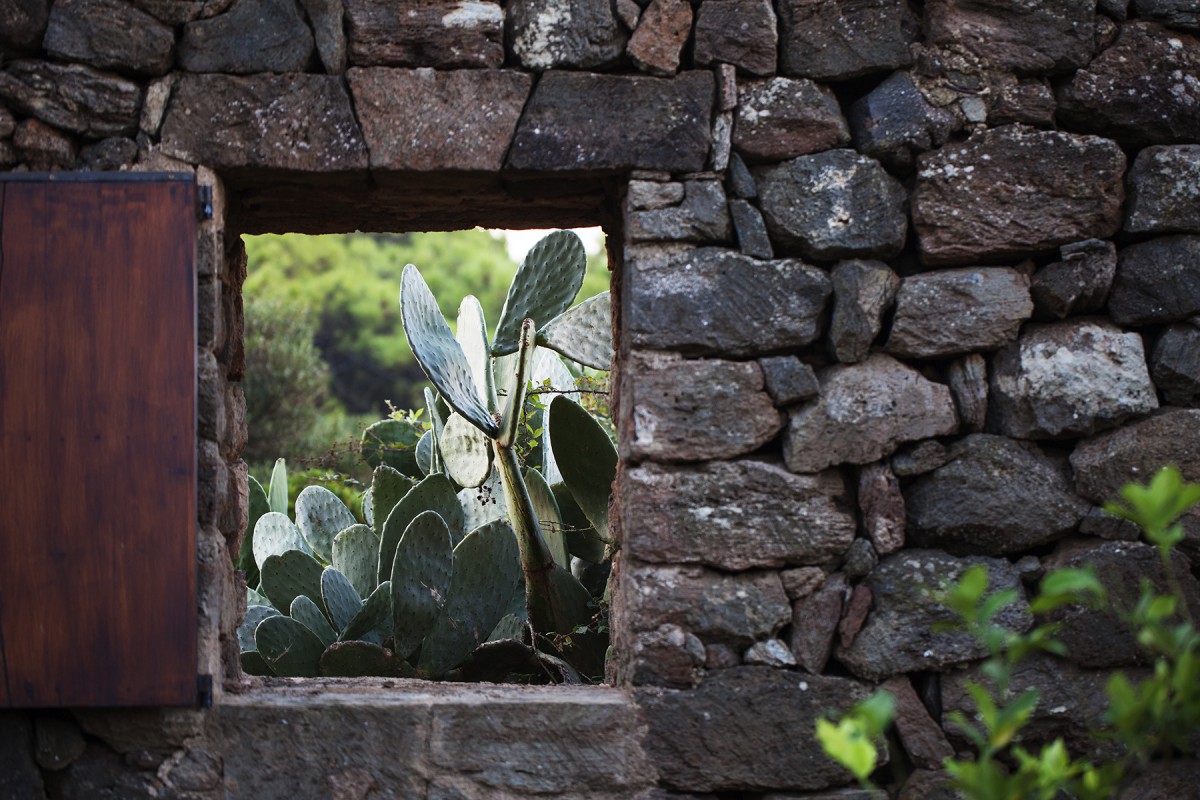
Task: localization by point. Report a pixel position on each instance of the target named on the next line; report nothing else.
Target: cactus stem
(516, 396)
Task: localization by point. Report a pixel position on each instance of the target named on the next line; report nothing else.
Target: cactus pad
(254, 664)
(356, 555)
(483, 505)
(393, 442)
(341, 599)
(321, 515)
(253, 598)
(421, 574)
(258, 506)
(472, 336)
(245, 631)
(582, 539)
(583, 333)
(275, 535)
(587, 459)
(435, 493)
(361, 660)
(548, 516)
(310, 615)
(466, 451)
(376, 613)
(425, 459)
(287, 576)
(510, 626)
(388, 486)
(291, 650)
(544, 286)
(277, 489)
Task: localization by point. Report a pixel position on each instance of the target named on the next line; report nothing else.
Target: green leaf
(583, 333)
(847, 743)
(544, 286)
(1067, 587)
(586, 458)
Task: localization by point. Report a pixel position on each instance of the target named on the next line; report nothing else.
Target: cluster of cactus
(469, 565)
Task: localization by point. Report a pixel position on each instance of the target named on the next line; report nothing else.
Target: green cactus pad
(420, 580)
(376, 613)
(321, 515)
(583, 333)
(472, 337)
(388, 486)
(341, 599)
(365, 507)
(544, 286)
(582, 539)
(487, 570)
(253, 598)
(502, 661)
(575, 609)
(287, 576)
(466, 451)
(438, 352)
(549, 518)
(245, 631)
(393, 442)
(425, 453)
(258, 506)
(483, 505)
(254, 664)
(435, 493)
(356, 555)
(310, 615)
(510, 626)
(587, 459)
(438, 411)
(277, 490)
(362, 660)
(291, 650)
(274, 535)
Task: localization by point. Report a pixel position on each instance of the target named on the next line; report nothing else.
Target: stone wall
(902, 288)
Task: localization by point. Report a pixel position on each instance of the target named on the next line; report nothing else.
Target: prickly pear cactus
(308, 614)
(277, 490)
(254, 615)
(362, 659)
(258, 506)
(285, 577)
(388, 486)
(466, 452)
(374, 618)
(546, 508)
(356, 555)
(544, 286)
(290, 649)
(583, 333)
(341, 599)
(435, 493)
(421, 573)
(586, 458)
(274, 535)
(392, 442)
(321, 515)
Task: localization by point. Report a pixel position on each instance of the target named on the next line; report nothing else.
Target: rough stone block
(552, 34)
(862, 292)
(666, 656)
(329, 32)
(1029, 101)
(177, 12)
(994, 497)
(1068, 379)
(467, 117)
(23, 24)
(649, 195)
(781, 118)
(1078, 284)
(1105, 463)
(815, 620)
(752, 237)
(833, 205)
(72, 97)
(920, 735)
(958, 311)
(1164, 191)
(109, 34)
(1049, 36)
(838, 39)
(1175, 365)
(42, 148)
(901, 634)
(1125, 93)
(864, 411)
(894, 122)
(441, 34)
(662, 31)
(1015, 191)
(789, 380)
(1156, 281)
(19, 775)
(738, 32)
(920, 458)
(59, 742)
(264, 36)
(748, 728)
(713, 301)
(227, 121)
(113, 153)
(881, 504)
(800, 582)
(1180, 14)
(583, 121)
(739, 182)
(968, 381)
(734, 515)
(702, 216)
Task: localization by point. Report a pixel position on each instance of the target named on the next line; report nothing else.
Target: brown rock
(801, 581)
(442, 34)
(1156, 281)
(838, 39)
(7, 123)
(467, 119)
(666, 656)
(177, 12)
(648, 123)
(734, 515)
(920, 458)
(789, 380)
(855, 615)
(1079, 283)
(1180, 14)
(882, 507)
(738, 32)
(1135, 452)
(109, 154)
(921, 736)
(226, 121)
(780, 118)
(264, 36)
(925, 784)
(59, 742)
(814, 622)
(864, 411)
(1164, 191)
(329, 32)
(969, 382)
(1163, 781)
(894, 122)
(552, 34)
(1029, 101)
(958, 311)
(1050, 36)
(1015, 191)
(1125, 91)
(694, 410)
(22, 24)
(862, 292)
(72, 97)
(109, 34)
(702, 216)
(42, 148)
(662, 31)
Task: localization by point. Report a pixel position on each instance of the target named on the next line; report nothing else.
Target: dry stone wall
(903, 288)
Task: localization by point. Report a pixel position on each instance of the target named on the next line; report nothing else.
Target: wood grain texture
(97, 443)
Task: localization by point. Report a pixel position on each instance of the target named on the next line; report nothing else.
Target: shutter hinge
(204, 691)
(204, 202)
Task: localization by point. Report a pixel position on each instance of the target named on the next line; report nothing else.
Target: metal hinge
(204, 202)
(204, 692)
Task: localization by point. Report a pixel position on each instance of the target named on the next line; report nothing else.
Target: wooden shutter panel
(97, 440)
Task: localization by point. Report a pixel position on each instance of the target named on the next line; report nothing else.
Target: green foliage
(852, 739)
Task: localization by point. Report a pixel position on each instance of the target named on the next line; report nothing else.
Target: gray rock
(23, 24)
(1049, 36)
(862, 292)
(734, 515)
(154, 106)
(689, 734)
(681, 410)
(860, 559)
(108, 154)
(7, 123)
(1068, 379)
(646, 123)
(833, 205)
(928, 784)
(59, 742)
(467, 120)
(42, 148)
(894, 122)
(837, 39)
(19, 775)
(732, 609)
(864, 411)
(752, 237)
(719, 656)
(739, 182)
(72, 97)
(789, 380)
(329, 32)
(1099, 522)
(109, 34)
(667, 656)
(815, 620)
(920, 458)
(800, 582)
(177, 12)
(1078, 284)
(1163, 781)
(1029, 101)
(1124, 92)
(648, 195)
(714, 301)
(1164, 190)
(738, 32)
(101, 773)
(780, 118)
(1179, 14)
(958, 311)
(1135, 452)
(441, 34)
(771, 653)
(1157, 281)
(662, 31)
(1015, 191)
(902, 633)
(1175, 365)
(551, 34)
(265, 36)
(994, 497)
(702, 216)
(968, 381)
(227, 121)
(881, 504)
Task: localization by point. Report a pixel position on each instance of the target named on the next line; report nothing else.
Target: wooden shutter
(97, 440)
